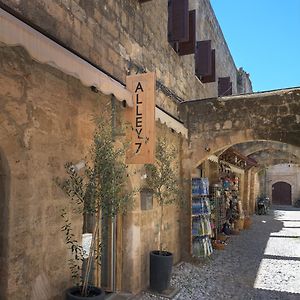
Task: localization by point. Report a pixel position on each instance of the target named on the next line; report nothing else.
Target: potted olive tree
(162, 179)
(96, 191)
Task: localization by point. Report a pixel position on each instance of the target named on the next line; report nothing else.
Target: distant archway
(282, 193)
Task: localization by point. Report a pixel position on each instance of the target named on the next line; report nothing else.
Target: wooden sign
(141, 119)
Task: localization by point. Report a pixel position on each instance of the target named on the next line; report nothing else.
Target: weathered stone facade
(219, 122)
(46, 120)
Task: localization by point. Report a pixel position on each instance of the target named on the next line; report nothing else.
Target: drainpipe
(113, 254)
(113, 222)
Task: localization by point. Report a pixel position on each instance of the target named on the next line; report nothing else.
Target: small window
(146, 199)
(224, 86)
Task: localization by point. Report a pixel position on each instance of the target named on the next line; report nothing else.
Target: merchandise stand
(201, 227)
(231, 193)
(218, 208)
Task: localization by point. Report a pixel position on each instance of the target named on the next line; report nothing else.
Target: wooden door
(281, 193)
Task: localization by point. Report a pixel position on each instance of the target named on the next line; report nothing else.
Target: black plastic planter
(160, 270)
(95, 293)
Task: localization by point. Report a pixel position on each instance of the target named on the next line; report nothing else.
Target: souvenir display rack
(218, 208)
(201, 227)
(230, 185)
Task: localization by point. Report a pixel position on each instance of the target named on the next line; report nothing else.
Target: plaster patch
(41, 289)
(27, 138)
(134, 234)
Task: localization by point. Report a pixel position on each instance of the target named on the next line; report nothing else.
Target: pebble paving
(262, 262)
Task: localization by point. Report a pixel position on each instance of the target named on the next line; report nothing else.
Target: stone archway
(4, 181)
(217, 123)
(281, 193)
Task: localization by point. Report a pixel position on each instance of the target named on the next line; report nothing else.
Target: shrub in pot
(97, 191)
(162, 179)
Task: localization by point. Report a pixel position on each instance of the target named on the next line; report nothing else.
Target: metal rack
(218, 207)
(200, 218)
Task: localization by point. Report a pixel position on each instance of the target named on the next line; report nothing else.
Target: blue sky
(264, 38)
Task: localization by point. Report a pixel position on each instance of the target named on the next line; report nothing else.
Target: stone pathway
(260, 263)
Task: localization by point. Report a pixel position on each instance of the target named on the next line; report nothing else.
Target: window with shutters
(212, 77)
(203, 59)
(178, 21)
(224, 86)
(186, 48)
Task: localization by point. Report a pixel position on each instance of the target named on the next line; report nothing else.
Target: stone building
(51, 54)
(281, 183)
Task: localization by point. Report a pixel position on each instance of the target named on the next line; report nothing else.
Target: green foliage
(162, 179)
(162, 176)
(99, 190)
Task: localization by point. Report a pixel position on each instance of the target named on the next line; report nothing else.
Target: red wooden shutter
(185, 48)
(224, 86)
(178, 20)
(212, 77)
(203, 59)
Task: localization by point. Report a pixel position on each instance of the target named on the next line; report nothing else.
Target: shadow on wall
(4, 189)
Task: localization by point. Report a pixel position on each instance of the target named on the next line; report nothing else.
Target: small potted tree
(97, 191)
(162, 179)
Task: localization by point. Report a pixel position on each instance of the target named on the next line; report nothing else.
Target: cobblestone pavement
(262, 262)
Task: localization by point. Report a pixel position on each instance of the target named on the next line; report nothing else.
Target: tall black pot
(73, 293)
(160, 270)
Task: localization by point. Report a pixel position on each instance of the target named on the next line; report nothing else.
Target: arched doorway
(282, 193)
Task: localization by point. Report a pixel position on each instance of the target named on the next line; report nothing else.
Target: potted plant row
(98, 190)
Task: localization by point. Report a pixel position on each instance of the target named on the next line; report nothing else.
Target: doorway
(281, 193)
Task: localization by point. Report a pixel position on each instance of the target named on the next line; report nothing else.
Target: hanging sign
(141, 119)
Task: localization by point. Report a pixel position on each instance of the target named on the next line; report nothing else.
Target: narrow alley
(262, 262)
(135, 143)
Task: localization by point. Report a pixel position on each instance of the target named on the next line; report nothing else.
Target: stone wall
(140, 230)
(120, 35)
(217, 123)
(46, 120)
(209, 29)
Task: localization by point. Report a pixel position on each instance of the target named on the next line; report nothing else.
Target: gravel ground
(260, 263)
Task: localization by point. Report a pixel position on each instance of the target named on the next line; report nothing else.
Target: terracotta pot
(218, 246)
(222, 237)
(239, 224)
(247, 223)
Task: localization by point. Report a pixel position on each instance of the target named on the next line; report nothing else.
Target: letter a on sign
(141, 119)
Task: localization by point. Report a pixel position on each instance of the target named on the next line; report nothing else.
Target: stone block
(10, 87)
(18, 111)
